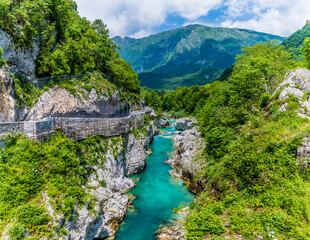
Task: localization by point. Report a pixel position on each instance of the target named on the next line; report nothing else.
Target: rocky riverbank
(186, 164)
(187, 161)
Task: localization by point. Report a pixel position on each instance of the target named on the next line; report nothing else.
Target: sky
(141, 18)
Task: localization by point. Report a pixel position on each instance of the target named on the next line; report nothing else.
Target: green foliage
(294, 43)
(2, 60)
(203, 222)
(30, 215)
(306, 51)
(58, 168)
(68, 43)
(152, 98)
(17, 232)
(184, 101)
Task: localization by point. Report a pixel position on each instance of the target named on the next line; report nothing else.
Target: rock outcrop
(20, 60)
(162, 122)
(59, 102)
(136, 151)
(183, 124)
(303, 153)
(296, 84)
(188, 161)
(7, 103)
(173, 232)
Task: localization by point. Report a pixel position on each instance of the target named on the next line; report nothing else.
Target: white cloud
(280, 17)
(139, 18)
(129, 17)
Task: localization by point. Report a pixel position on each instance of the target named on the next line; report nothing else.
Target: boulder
(303, 153)
(183, 124)
(162, 122)
(172, 232)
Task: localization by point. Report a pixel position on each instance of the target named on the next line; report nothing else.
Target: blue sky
(140, 18)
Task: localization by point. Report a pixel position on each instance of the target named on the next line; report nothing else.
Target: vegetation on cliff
(293, 43)
(68, 43)
(34, 175)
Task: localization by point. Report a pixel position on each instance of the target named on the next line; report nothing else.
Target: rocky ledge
(183, 124)
(296, 85)
(173, 232)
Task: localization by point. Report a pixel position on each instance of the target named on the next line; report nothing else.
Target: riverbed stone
(183, 124)
(162, 122)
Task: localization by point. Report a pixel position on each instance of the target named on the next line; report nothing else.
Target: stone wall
(76, 128)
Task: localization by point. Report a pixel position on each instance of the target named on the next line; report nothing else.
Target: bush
(30, 215)
(2, 60)
(17, 232)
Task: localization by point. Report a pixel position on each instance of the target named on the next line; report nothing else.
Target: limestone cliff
(7, 104)
(60, 102)
(20, 60)
(183, 124)
(124, 156)
(296, 85)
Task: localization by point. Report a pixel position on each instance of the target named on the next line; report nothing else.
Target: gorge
(157, 193)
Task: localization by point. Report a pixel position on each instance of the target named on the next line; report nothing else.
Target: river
(157, 193)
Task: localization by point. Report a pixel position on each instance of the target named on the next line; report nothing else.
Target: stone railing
(76, 128)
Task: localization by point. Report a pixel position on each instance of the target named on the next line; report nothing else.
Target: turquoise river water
(157, 194)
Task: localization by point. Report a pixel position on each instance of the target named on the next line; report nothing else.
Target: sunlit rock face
(20, 60)
(183, 124)
(7, 106)
(59, 102)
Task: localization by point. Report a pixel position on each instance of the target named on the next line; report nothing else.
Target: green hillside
(294, 43)
(177, 53)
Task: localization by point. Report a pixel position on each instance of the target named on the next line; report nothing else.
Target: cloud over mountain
(140, 18)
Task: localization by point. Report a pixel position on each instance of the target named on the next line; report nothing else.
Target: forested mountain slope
(191, 55)
(293, 44)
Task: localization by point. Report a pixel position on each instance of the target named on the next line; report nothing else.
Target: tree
(306, 51)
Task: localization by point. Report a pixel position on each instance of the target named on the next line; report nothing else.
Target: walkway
(77, 128)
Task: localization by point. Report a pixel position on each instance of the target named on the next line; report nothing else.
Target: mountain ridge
(187, 50)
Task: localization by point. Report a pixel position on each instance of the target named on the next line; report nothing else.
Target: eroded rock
(59, 102)
(20, 60)
(183, 124)
(7, 103)
(162, 122)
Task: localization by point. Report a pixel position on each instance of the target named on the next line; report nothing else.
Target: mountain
(194, 54)
(294, 43)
